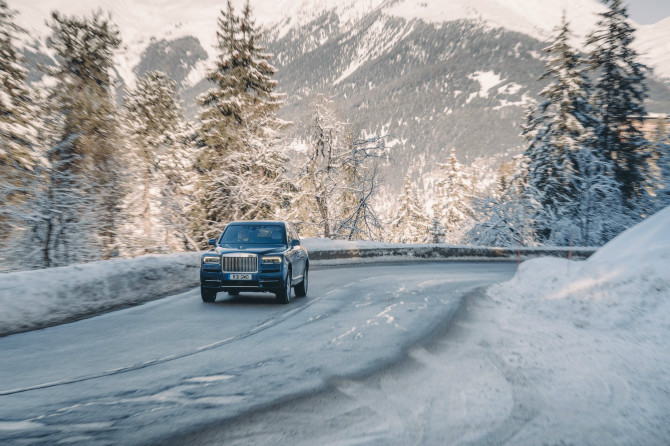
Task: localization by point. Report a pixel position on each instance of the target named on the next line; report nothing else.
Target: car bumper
(261, 281)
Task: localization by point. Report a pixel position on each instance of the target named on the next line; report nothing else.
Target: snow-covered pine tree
(60, 225)
(453, 199)
(155, 125)
(503, 220)
(505, 175)
(562, 126)
(17, 134)
(618, 97)
(597, 213)
(242, 170)
(410, 224)
(437, 233)
(661, 141)
(505, 216)
(86, 153)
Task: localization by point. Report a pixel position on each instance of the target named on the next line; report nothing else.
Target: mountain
(430, 74)
(653, 43)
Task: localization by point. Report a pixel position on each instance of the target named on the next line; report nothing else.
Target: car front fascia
(269, 277)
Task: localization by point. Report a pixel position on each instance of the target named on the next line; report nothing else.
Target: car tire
(207, 295)
(301, 288)
(284, 295)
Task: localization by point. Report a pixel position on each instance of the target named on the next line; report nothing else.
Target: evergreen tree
(504, 220)
(437, 233)
(561, 126)
(505, 217)
(18, 157)
(505, 175)
(86, 152)
(242, 173)
(597, 213)
(620, 91)
(661, 141)
(155, 124)
(410, 224)
(453, 205)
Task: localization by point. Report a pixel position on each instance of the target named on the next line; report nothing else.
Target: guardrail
(435, 252)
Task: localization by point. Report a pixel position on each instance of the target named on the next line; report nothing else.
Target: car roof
(257, 222)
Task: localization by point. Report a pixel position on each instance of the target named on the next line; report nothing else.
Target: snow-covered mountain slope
(531, 17)
(653, 44)
(431, 74)
(142, 22)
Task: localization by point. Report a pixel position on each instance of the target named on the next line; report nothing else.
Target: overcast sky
(646, 12)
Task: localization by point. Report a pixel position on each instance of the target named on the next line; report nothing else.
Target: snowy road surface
(177, 366)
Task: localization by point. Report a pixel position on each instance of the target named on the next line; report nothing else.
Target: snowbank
(33, 299)
(591, 339)
(625, 282)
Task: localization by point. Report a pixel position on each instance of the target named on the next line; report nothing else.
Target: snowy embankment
(592, 339)
(35, 299)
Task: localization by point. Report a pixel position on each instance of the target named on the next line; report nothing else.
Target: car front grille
(240, 264)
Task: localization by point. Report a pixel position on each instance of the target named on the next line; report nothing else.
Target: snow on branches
(337, 179)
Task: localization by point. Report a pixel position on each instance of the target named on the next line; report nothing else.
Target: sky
(646, 12)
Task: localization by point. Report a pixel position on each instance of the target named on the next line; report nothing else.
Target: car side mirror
(294, 243)
(212, 242)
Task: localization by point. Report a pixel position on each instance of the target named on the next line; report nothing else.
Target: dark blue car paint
(270, 277)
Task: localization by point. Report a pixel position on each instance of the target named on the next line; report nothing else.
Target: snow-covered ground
(592, 339)
(32, 299)
(35, 299)
(563, 353)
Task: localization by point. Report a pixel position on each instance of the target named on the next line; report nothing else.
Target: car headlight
(211, 259)
(274, 260)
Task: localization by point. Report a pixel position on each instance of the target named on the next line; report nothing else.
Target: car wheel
(207, 295)
(301, 288)
(284, 295)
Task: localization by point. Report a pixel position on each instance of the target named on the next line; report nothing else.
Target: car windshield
(253, 235)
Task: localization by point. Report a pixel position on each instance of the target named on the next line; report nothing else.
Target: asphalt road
(176, 369)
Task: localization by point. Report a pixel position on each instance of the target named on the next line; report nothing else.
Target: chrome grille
(240, 263)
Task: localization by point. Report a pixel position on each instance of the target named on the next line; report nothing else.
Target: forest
(86, 177)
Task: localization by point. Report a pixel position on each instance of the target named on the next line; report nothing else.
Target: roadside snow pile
(591, 339)
(625, 282)
(33, 299)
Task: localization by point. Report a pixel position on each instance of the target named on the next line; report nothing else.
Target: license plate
(239, 277)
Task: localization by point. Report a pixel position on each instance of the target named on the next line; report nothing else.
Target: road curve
(152, 372)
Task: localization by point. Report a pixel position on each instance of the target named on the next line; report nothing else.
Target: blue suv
(264, 256)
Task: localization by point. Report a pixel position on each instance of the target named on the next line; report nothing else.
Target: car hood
(253, 249)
